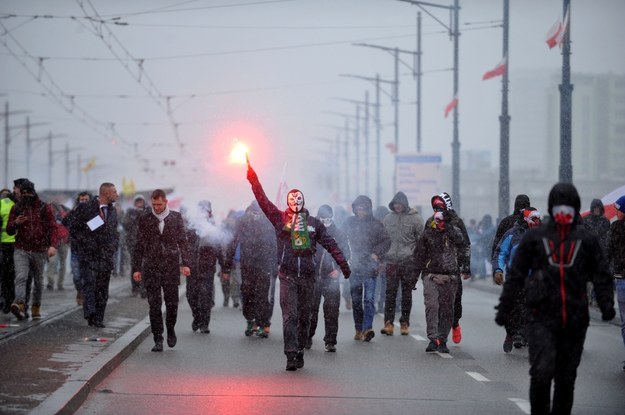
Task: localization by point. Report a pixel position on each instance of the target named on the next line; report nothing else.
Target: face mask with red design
(532, 217)
(563, 214)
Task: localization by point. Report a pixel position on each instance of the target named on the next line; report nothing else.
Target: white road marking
(522, 404)
(419, 338)
(478, 376)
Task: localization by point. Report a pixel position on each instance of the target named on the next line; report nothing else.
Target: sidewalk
(43, 357)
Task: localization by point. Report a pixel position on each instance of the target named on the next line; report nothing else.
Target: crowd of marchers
(552, 268)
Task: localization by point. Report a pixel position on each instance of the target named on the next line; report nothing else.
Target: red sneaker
(456, 334)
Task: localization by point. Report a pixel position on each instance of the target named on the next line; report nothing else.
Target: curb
(81, 383)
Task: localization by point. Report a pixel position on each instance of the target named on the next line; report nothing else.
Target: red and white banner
(498, 70)
(452, 104)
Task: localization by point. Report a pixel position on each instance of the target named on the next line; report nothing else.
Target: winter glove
(345, 270)
(251, 174)
(608, 314)
(498, 276)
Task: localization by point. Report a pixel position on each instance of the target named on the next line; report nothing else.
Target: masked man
(298, 234)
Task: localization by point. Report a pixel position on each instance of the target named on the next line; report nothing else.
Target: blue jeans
(620, 295)
(74, 263)
(363, 316)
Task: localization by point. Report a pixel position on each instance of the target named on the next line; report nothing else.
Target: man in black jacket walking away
(161, 246)
(553, 263)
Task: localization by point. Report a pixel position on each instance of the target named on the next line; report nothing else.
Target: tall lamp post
(566, 92)
(454, 33)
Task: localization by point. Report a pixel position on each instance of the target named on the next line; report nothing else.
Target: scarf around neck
(300, 239)
(161, 218)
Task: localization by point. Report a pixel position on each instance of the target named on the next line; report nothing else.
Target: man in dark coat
(442, 203)
(94, 228)
(298, 235)
(553, 263)
(130, 222)
(369, 242)
(255, 240)
(204, 245)
(327, 284)
(521, 202)
(161, 255)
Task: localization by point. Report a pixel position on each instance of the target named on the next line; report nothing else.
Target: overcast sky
(266, 72)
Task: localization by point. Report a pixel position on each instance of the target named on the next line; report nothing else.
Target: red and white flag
(565, 26)
(498, 70)
(555, 35)
(452, 104)
(282, 191)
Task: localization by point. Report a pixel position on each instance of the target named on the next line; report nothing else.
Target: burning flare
(238, 154)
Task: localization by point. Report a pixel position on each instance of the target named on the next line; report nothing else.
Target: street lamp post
(566, 92)
(454, 32)
(378, 126)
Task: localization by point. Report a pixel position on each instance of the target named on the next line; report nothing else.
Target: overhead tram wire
(54, 91)
(163, 101)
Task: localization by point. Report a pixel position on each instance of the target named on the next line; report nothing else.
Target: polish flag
(452, 104)
(555, 36)
(565, 26)
(498, 70)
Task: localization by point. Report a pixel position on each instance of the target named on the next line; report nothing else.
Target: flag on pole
(452, 104)
(565, 26)
(282, 191)
(555, 35)
(498, 70)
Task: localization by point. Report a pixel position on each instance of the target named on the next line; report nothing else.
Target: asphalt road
(53, 366)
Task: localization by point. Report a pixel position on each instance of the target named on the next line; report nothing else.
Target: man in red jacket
(33, 224)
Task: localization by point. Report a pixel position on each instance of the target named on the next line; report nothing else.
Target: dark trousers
(554, 356)
(7, 276)
(458, 304)
(516, 323)
(156, 294)
(296, 303)
(330, 289)
(255, 295)
(396, 274)
(95, 291)
(200, 296)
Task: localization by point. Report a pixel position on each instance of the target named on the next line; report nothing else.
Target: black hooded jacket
(521, 202)
(553, 262)
(599, 225)
(366, 236)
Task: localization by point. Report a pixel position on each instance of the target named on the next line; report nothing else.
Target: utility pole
(29, 141)
(454, 32)
(365, 133)
(7, 140)
(67, 163)
(50, 156)
(418, 74)
(504, 124)
(566, 92)
(394, 98)
(378, 126)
